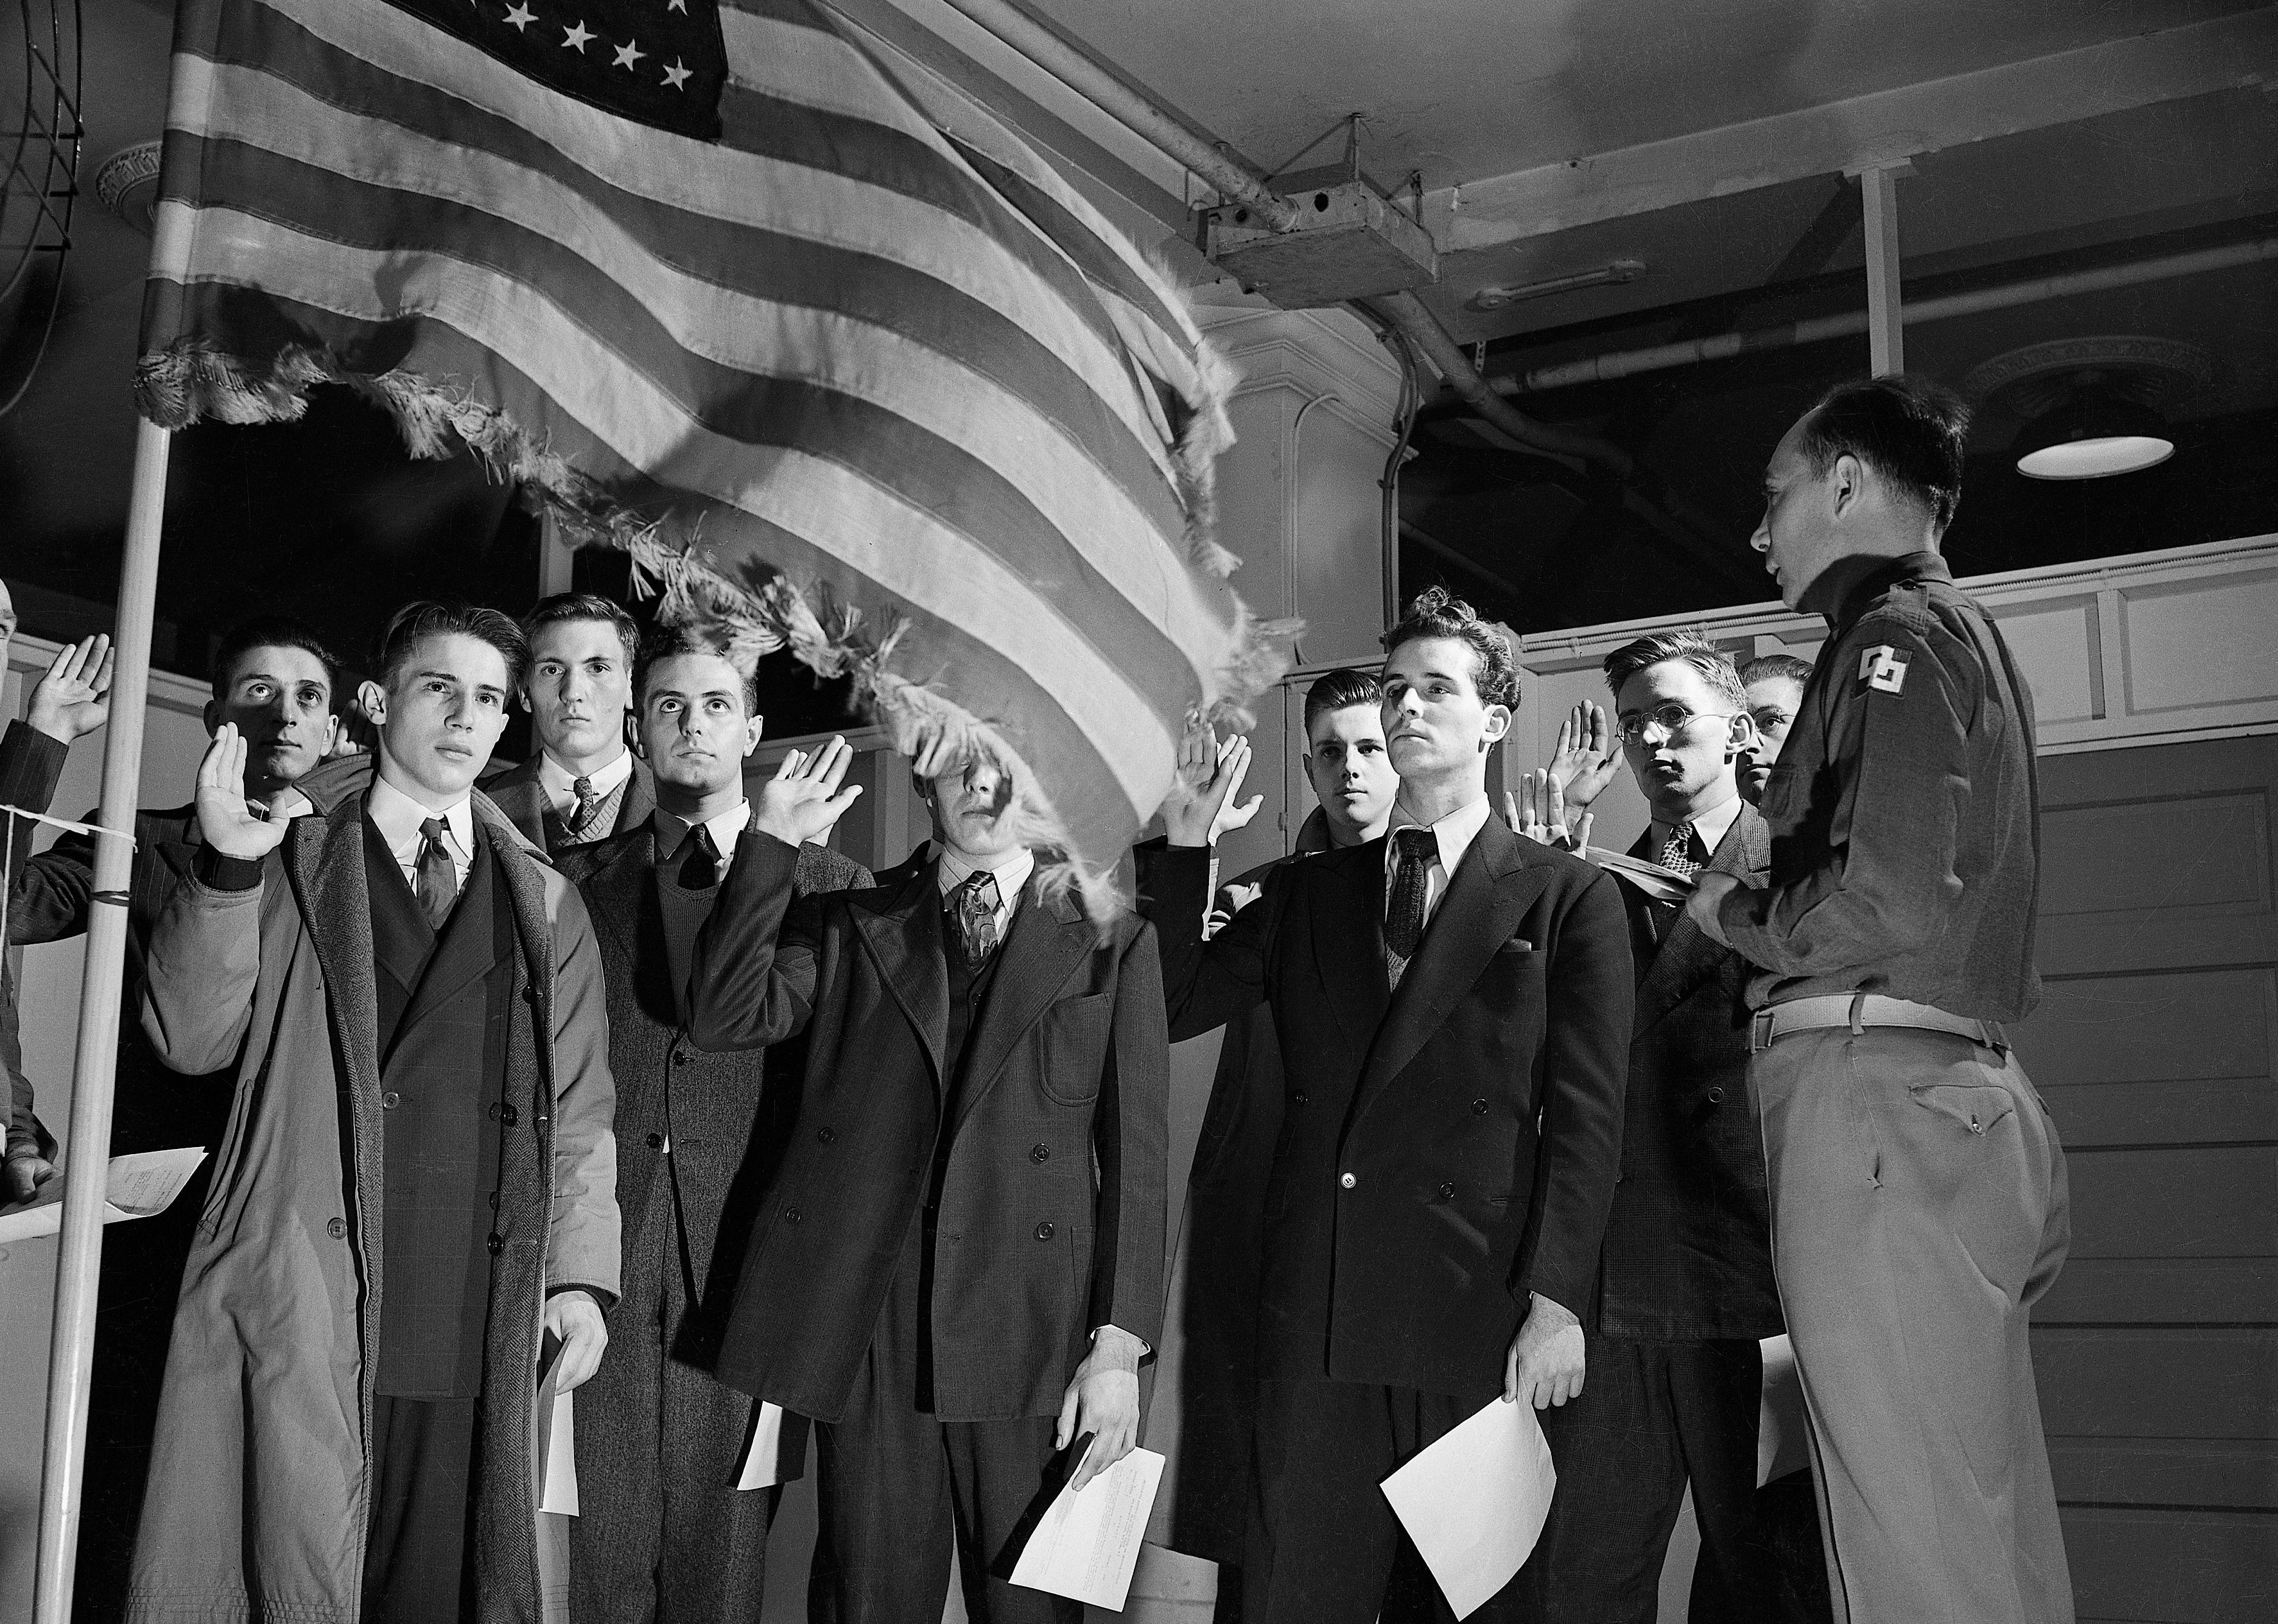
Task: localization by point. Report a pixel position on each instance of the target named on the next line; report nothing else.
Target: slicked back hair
(1910, 430)
(1436, 613)
(416, 622)
(1340, 690)
(1714, 664)
(272, 632)
(1773, 668)
(667, 642)
(565, 606)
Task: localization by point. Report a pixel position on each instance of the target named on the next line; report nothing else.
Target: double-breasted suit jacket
(1445, 1148)
(1050, 1214)
(1688, 1245)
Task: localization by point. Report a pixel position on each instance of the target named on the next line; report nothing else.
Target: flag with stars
(842, 360)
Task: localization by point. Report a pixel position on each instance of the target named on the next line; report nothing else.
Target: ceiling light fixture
(2099, 432)
(2086, 408)
(1496, 298)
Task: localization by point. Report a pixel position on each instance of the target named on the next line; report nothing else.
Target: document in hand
(1661, 884)
(1475, 1502)
(140, 1186)
(1782, 1444)
(557, 1435)
(1088, 1542)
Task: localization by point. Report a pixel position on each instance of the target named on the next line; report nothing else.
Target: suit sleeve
(1206, 984)
(31, 764)
(1591, 996)
(1130, 1134)
(201, 969)
(582, 1234)
(751, 980)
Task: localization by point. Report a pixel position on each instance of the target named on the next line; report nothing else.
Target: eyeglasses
(1671, 718)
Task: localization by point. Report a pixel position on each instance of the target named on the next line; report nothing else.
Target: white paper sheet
(1782, 1444)
(561, 1495)
(1475, 1501)
(1088, 1541)
(139, 1186)
(761, 1468)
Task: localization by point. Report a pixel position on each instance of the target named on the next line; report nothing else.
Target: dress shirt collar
(1011, 873)
(398, 817)
(560, 783)
(672, 830)
(1923, 566)
(1711, 825)
(1455, 833)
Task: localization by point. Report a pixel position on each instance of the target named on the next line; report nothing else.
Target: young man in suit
(665, 1530)
(1774, 687)
(959, 1263)
(1685, 1283)
(417, 1182)
(1454, 1010)
(584, 784)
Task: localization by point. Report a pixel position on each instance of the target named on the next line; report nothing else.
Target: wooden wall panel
(2173, 1568)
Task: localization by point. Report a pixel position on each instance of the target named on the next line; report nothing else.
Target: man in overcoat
(414, 1196)
(959, 1263)
(665, 1528)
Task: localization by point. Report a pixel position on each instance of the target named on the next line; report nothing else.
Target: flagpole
(87, 1150)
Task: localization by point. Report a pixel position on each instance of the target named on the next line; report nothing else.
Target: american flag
(721, 284)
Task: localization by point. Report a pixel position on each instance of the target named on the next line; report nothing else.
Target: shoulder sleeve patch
(1881, 670)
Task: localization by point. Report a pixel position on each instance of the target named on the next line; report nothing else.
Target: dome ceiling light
(2090, 405)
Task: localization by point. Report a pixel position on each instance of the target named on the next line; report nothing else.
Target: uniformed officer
(1917, 1187)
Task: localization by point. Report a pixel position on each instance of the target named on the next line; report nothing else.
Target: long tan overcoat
(258, 1501)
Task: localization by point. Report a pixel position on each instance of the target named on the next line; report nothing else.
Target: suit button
(825, 1136)
(1446, 1192)
(1043, 1231)
(791, 1215)
(1715, 1096)
(1041, 1153)
(1348, 1181)
(390, 1100)
(1479, 1108)
(337, 1228)
(497, 1244)
(1301, 1099)
(680, 1057)
(500, 1111)
(655, 1141)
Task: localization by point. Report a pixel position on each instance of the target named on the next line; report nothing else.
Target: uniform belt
(1860, 1011)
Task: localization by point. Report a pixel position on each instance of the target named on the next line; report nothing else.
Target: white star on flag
(680, 6)
(677, 76)
(521, 17)
(575, 38)
(628, 53)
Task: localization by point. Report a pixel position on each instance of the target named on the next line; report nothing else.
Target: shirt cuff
(1145, 1347)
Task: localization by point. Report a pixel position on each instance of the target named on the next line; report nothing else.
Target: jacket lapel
(462, 948)
(639, 800)
(1348, 939)
(620, 891)
(1049, 941)
(324, 855)
(1687, 953)
(904, 935)
(1487, 895)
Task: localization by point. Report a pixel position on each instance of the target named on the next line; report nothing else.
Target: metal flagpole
(89, 1148)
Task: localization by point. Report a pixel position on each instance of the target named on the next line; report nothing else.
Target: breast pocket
(1073, 1035)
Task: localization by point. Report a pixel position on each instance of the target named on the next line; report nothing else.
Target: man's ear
(632, 732)
(1742, 736)
(1847, 484)
(332, 733)
(754, 726)
(373, 698)
(212, 717)
(1497, 724)
(522, 699)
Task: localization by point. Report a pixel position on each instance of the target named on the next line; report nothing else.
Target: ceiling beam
(1865, 132)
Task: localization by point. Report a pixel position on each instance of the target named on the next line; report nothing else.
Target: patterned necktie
(699, 864)
(589, 806)
(436, 878)
(1677, 852)
(1403, 920)
(974, 905)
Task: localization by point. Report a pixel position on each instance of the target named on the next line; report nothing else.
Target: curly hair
(1436, 613)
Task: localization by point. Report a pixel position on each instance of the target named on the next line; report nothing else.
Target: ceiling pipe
(1978, 302)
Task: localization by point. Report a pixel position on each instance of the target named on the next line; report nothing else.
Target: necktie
(1677, 853)
(436, 882)
(973, 905)
(699, 864)
(1403, 920)
(589, 806)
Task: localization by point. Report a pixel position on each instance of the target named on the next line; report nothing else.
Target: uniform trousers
(416, 1566)
(662, 1533)
(898, 1489)
(1919, 1210)
(1324, 1547)
(1652, 1416)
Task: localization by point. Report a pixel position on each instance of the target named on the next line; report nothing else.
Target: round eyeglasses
(1671, 718)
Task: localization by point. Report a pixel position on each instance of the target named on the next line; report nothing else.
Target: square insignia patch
(1883, 668)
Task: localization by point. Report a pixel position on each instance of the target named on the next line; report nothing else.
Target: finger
(1582, 832)
(788, 768)
(1065, 1429)
(59, 668)
(1244, 812)
(1555, 813)
(1601, 740)
(1510, 1374)
(101, 684)
(837, 804)
(831, 765)
(1233, 771)
(210, 765)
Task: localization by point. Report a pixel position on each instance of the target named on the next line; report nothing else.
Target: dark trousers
(1652, 1415)
(898, 1489)
(416, 1567)
(1324, 1546)
(662, 1532)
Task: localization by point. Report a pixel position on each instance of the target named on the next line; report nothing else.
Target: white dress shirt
(1012, 878)
(671, 831)
(1709, 827)
(558, 783)
(1454, 835)
(398, 817)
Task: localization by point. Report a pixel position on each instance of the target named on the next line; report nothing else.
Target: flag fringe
(190, 381)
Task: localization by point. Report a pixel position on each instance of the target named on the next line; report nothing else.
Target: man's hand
(1102, 1400)
(1200, 806)
(575, 1318)
(1544, 1366)
(1540, 812)
(23, 1175)
(802, 799)
(1585, 755)
(223, 817)
(1709, 892)
(74, 698)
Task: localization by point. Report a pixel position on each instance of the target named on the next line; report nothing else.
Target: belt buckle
(1760, 1032)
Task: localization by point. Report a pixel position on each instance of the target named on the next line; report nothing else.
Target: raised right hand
(1539, 813)
(803, 799)
(74, 698)
(224, 819)
(1197, 809)
(1585, 755)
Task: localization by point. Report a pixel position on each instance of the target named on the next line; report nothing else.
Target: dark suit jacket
(1051, 1215)
(1688, 1245)
(521, 797)
(31, 764)
(1414, 1201)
